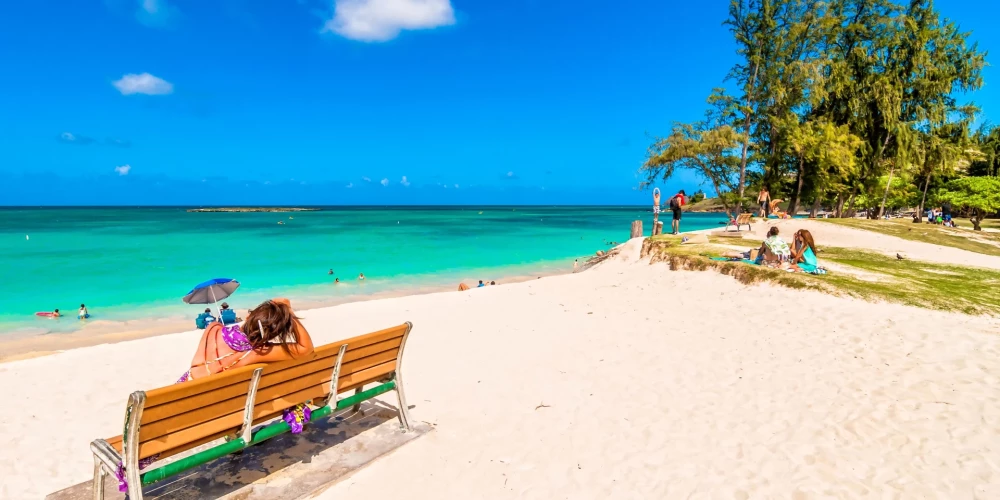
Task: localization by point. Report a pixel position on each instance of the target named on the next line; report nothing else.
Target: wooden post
(636, 229)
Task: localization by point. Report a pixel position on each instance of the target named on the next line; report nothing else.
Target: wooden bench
(741, 220)
(165, 422)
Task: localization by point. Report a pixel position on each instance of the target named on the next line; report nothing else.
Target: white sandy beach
(624, 381)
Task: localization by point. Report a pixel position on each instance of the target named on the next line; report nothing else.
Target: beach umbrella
(211, 291)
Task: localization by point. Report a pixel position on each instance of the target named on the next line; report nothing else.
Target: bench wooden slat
(177, 391)
(182, 416)
(174, 392)
(203, 407)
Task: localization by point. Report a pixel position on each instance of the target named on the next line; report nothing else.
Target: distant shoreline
(254, 209)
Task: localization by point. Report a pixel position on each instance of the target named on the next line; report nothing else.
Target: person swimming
(336, 280)
(361, 276)
(55, 314)
(330, 272)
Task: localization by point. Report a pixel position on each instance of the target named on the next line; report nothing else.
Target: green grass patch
(934, 286)
(866, 275)
(974, 241)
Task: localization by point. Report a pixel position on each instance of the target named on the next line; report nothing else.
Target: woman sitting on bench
(271, 333)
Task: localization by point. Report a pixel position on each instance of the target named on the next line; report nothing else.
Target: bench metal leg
(357, 407)
(99, 475)
(404, 410)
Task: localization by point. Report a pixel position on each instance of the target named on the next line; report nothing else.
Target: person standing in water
(84, 313)
(361, 276)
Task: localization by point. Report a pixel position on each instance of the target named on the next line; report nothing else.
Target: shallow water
(129, 263)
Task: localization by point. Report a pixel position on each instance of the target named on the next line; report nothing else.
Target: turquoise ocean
(134, 263)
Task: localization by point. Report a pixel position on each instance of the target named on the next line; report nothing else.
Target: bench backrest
(181, 416)
(743, 218)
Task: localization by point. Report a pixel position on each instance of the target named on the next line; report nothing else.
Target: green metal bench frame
(107, 459)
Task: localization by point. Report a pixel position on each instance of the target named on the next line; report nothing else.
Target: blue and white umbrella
(211, 291)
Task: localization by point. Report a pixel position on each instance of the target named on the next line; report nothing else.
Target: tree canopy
(837, 102)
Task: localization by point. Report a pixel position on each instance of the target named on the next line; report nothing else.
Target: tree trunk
(881, 209)
(746, 144)
(815, 208)
(976, 220)
(920, 209)
(636, 229)
(850, 205)
(839, 212)
(793, 204)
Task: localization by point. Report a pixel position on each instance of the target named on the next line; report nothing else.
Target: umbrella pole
(216, 301)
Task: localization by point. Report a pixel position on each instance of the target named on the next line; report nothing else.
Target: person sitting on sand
(272, 333)
(227, 315)
(774, 250)
(204, 319)
(480, 284)
(803, 251)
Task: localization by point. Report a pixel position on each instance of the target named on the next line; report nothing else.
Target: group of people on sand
(774, 251)
(361, 276)
(227, 316)
(676, 204)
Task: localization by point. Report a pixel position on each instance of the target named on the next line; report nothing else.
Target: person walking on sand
(764, 199)
(576, 264)
(676, 204)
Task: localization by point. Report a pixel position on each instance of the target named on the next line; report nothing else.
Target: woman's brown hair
(807, 238)
(773, 231)
(279, 323)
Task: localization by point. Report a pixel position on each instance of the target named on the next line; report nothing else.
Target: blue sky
(357, 101)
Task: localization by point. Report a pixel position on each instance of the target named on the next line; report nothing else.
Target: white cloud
(123, 169)
(384, 182)
(405, 182)
(381, 20)
(143, 84)
(366, 179)
(156, 13)
(349, 185)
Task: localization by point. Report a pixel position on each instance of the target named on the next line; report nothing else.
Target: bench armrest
(106, 453)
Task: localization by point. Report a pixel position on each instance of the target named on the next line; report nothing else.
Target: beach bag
(675, 204)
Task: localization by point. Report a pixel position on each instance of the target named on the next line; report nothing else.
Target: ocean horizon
(130, 263)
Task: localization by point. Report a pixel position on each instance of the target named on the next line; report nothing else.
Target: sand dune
(624, 381)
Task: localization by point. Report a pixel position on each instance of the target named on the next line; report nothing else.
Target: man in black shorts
(675, 206)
